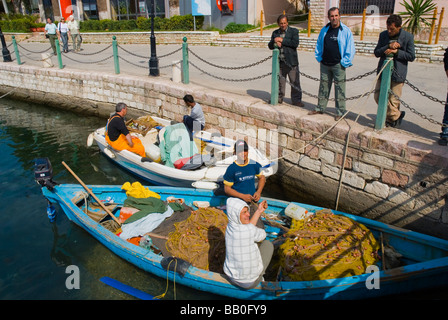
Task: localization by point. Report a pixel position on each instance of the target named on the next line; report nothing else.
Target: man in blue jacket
(287, 40)
(335, 50)
(399, 44)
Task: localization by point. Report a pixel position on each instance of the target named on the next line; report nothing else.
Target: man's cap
(241, 145)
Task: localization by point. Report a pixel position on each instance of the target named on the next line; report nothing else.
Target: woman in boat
(248, 253)
(117, 134)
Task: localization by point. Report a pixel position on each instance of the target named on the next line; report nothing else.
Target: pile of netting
(200, 239)
(326, 246)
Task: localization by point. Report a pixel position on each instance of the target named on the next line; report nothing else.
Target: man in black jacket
(287, 40)
(400, 44)
(443, 141)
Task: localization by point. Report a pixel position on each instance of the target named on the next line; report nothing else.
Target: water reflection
(33, 252)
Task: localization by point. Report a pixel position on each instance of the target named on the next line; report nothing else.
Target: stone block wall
(389, 175)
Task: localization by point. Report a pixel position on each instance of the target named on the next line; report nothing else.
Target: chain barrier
(227, 79)
(22, 47)
(86, 62)
(231, 68)
(413, 87)
(92, 53)
(413, 110)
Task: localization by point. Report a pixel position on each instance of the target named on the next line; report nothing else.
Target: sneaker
(397, 122)
(298, 104)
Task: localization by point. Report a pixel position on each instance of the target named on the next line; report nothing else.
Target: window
(352, 7)
(132, 9)
(90, 9)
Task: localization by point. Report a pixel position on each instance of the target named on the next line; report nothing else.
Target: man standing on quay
(335, 50)
(287, 40)
(400, 44)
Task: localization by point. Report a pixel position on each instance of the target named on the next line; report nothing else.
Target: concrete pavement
(428, 77)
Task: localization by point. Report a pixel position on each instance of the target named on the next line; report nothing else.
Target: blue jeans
(192, 125)
(444, 133)
(64, 39)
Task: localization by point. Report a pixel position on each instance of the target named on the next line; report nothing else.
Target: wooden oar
(91, 193)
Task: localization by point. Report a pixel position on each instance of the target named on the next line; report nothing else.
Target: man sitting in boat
(117, 134)
(195, 121)
(239, 178)
(246, 260)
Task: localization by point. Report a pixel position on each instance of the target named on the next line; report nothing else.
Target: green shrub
(233, 27)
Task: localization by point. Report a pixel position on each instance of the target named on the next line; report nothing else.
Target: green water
(35, 253)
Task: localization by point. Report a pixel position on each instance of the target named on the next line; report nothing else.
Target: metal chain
(230, 68)
(424, 94)
(139, 66)
(19, 45)
(147, 57)
(93, 53)
(87, 62)
(226, 79)
(329, 99)
(168, 54)
(421, 115)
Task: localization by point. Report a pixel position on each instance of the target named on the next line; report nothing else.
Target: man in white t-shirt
(73, 28)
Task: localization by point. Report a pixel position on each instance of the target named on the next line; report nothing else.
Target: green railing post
(58, 50)
(115, 51)
(16, 50)
(185, 65)
(384, 93)
(274, 78)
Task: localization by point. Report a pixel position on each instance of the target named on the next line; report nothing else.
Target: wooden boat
(425, 258)
(157, 173)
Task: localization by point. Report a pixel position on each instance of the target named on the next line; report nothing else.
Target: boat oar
(127, 289)
(91, 193)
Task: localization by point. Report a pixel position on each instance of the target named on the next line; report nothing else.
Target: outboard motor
(43, 173)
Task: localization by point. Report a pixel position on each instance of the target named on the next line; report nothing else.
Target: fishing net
(200, 239)
(326, 246)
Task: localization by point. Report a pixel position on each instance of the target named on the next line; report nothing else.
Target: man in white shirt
(73, 28)
(50, 33)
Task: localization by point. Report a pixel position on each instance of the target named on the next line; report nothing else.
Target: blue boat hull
(428, 269)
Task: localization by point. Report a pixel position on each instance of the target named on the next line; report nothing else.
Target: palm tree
(417, 12)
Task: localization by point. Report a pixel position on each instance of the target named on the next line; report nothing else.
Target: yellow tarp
(137, 190)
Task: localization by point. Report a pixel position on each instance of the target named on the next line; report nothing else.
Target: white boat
(205, 177)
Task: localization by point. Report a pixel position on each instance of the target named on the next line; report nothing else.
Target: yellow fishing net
(326, 246)
(200, 239)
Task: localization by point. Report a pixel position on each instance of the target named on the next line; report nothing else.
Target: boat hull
(159, 174)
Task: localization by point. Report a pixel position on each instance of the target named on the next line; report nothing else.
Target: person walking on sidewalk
(73, 27)
(335, 50)
(63, 34)
(50, 33)
(400, 44)
(287, 40)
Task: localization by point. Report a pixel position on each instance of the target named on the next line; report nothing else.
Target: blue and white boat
(160, 174)
(424, 258)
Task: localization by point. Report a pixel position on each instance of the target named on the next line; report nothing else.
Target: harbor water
(35, 254)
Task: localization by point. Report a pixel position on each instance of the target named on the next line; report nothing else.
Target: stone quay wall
(387, 175)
